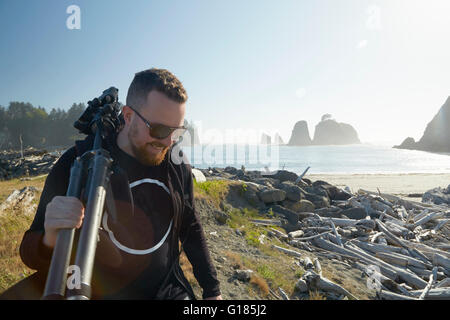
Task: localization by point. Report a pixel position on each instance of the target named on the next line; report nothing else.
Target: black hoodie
(137, 257)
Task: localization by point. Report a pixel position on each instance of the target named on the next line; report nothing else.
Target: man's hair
(161, 80)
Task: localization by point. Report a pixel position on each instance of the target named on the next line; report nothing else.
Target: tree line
(22, 125)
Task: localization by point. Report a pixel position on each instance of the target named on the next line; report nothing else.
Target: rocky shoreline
(403, 246)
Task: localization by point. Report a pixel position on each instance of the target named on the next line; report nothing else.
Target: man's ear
(127, 114)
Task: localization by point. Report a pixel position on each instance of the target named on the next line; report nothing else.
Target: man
(138, 256)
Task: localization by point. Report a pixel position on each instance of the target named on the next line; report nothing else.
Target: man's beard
(143, 155)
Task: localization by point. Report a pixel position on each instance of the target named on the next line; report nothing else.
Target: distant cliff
(300, 135)
(327, 132)
(436, 137)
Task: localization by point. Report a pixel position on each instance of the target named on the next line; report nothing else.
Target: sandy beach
(397, 184)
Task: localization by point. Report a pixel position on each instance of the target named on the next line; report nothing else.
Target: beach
(397, 184)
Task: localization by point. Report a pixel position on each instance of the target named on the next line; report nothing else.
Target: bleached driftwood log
(315, 281)
(307, 263)
(288, 251)
(375, 248)
(431, 281)
(434, 294)
(278, 233)
(312, 237)
(407, 244)
(296, 234)
(338, 238)
(408, 277)
(387, 295)
(267, 222)
(443, 283)
(329, 246)
(441, 261)
(317, 266)
(283, 294)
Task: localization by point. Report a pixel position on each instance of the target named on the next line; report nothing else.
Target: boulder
(355, 213)
(282, 175)
(272, 195)
(299, 206)
(293, 192)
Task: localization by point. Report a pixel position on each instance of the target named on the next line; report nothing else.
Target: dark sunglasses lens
(161, 132)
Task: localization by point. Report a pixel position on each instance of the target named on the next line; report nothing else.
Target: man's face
(158, 109)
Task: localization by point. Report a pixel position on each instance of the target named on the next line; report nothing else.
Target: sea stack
(300, 135)
(436, 137)
(330, 132)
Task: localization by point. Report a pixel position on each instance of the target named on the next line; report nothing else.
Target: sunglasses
(160, 131)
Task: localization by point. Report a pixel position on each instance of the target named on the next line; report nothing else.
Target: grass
(214, 190)
(13, 224)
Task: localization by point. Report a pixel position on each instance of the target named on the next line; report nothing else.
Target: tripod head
(102, 113)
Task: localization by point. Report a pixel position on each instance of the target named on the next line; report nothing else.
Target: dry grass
(261, 284)
(316, 295)
(188, 271)
(13, 224)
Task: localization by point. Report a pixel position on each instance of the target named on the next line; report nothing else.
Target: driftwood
(443, 283)
(338, 238)
(308, 263)
(387, 295)
(283, 294)
(329, 246)
(407, 244)
(317, 266)
(312, 237)
(441, 261)
(267, 222)
(434, 294)
(295, 234)
(278, 233)
(433, 277)
(288, 251)
(315, 281)
(408, 277)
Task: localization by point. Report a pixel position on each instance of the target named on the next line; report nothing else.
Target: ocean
(348, 159)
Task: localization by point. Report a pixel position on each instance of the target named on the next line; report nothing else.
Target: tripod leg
(87, 243)
(57, 275)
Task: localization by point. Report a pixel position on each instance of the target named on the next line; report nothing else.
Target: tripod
(90, 182)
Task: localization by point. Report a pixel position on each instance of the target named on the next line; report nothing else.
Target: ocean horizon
(335, 159)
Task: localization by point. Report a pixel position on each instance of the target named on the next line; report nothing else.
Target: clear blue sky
(381, 65)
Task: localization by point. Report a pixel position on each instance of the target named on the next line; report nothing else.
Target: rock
(436, 135)
(331, 132)
(355, 213)
(291, 216)
(231, 170)
(271, 196)
(243, 275)
(334, 193)
(293, 192)
(282, 175)
(300, 135)
(198, 175)
(221, 216)
(300, 206)
(318, 201)
(301, 286)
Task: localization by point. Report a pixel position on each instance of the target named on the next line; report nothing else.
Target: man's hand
(61, 213)
(219, 297)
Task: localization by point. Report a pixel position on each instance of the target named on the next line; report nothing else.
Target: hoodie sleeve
(33, 252)
(195, 245)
